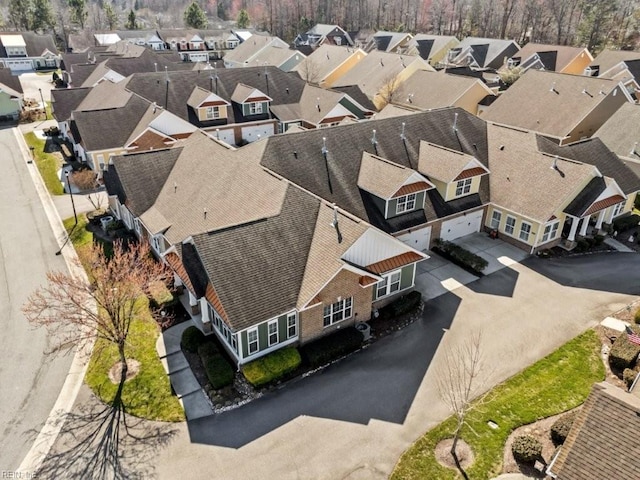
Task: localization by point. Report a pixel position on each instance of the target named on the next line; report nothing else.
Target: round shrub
(628, 376)
(526, 449)
(191, 339)
(560, 428)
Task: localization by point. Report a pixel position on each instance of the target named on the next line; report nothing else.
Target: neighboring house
(621, 134)
(319, 108)
(608, 59)
(602, 442)
(425, 90)
(245, 54)
(626, 72)
(337, 268)
(390, 42)
(379, 75)
(567, 107)
(25, 51)
(542, 193)
(11, 96)
(432, 48)
(553, 58)
(481, 53)
(286, 59)
(322, 34)
(328, 63)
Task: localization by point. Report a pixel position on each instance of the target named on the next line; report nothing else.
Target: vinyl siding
(393, 203)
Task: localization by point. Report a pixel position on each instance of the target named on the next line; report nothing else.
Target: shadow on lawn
(99, 441)
(379, 382)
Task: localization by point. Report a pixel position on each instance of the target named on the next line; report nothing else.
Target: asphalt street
(30, 380)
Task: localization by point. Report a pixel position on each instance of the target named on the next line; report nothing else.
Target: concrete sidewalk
(184, 383)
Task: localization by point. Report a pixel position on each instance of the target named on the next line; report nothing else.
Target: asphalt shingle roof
(554, 57)
(581, 203)
(66, 100)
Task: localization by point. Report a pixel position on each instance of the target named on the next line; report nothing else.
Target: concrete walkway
(613, 243)
(191, 395)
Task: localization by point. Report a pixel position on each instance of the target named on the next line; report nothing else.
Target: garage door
(20, 64)
(418, 239)
(461, 226)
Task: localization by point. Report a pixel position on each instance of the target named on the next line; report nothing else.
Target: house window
(156, 243)
(389, 284)
(292, 327)
(496, 216)
(338, 311)
(255, 108)
(406, 203)
(136, 226)
(252, 340)
(617, 209)
(234, 343)
(463, 186)
(272, 327)
(213, 112)
(510, 225)
(525, 231)
(550, 232)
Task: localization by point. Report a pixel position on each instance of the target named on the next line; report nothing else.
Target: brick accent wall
(344, 285)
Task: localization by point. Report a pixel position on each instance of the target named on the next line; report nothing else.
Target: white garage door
(253, 133)
(418, 239)
(461, 226)
(19, 64)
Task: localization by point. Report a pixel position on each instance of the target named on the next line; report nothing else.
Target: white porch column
(600, 219)
(177, 281)
(193, 303)
(574, 228)
(583, 227)
(610, 214)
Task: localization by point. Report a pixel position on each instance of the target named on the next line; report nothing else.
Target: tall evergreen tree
(21, 14)
(111, 16)
(78, 12)
(43, 18)
(243, 19)
(132, 22)
(195, 17)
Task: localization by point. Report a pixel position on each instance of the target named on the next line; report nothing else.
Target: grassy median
(558, 382)
(48, 164)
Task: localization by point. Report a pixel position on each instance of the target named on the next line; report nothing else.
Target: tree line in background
(592, 23)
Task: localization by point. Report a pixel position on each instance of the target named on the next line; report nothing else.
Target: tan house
(245, 54)
(608, 59)
(379, 75)
(425, 90)
(432, 48)
(390, 42)
(328, 63)
(566, 107)
(552, 58)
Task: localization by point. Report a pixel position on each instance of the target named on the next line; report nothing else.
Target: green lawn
(558, 382)
(47, 163)
(148, 395)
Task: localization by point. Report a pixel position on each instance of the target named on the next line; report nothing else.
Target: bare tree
(86, 181)
(309, 71)
(458, 385)
(387, 91)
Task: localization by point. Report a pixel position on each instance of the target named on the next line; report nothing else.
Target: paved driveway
(356, 418)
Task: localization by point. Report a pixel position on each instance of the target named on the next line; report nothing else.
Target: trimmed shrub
(598, 240)
(322, 351)
(625, 223)
(623, 353)
(560, 428)
(636, 317)
(272, 367)
(628, 376)
(405, 304)
(219, 371)
(582, 245)
(461, 256)
(207, 349)
(191, 339)
(526, 449)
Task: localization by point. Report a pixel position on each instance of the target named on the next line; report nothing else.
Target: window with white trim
(272, 328)
(463, 186)
(525, 231)
(496, 216)
(213, 113)
(510, 225)
(406, 203)
(338, 311)
(617, 209)
(234, 343)
(292, 325)
(136, 226)
(252, 340)
(389, 284)
(550, 231)
(255, 108)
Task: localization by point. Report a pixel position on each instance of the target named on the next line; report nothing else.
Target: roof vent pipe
(402, 135)
(334, 223)
(633, 150)
(324, 146)
(554, 165)
(455, 122)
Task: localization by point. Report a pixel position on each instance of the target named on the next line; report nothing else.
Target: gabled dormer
(454, 174)
(14, 45)
(207, 106)
(397, 190)
(196, 43)
(251, 100)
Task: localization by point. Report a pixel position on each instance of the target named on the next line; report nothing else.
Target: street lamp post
(46, 117)
(73, 205)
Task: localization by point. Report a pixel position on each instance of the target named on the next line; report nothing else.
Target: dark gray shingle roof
(66, 100)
